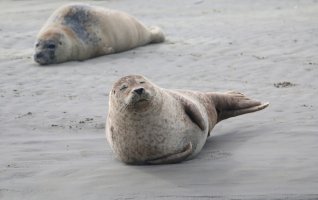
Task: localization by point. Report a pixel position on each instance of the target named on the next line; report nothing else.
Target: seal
(147, 124)
(80, 31)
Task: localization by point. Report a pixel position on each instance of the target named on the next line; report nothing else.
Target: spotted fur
(80, 31)
(160, 126)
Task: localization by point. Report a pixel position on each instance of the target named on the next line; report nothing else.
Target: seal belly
(155, 135)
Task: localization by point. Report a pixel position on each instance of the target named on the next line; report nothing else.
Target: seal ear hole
(60, 43)
(114, 92)
(37, 45)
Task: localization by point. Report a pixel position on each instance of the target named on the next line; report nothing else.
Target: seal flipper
(173, 158)
(156, 35)
(232, 104)
(191, 110)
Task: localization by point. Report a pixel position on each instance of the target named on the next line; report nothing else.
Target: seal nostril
(51, 46)
(38, 55)
(139, 91)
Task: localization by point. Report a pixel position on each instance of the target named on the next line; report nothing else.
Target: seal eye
(60, 43)
(123, 87)
(37, 45)
(51, 46)
(141, 82)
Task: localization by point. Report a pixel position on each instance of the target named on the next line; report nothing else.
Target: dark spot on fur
(218, 111)
(80, 19)
(160, 139)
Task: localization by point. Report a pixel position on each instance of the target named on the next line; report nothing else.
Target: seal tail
(232, 104)
(174, 158)
(156, 35)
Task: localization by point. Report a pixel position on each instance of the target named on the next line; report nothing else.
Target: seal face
(46, 49)
(80, 31)
(147, 124)
(134, 95)
(46, 52)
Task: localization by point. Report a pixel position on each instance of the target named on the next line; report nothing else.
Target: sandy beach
(52, 118)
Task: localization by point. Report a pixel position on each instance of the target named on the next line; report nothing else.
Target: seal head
(50, 47)
(134, 94)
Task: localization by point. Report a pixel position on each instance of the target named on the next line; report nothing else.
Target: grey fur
(80, 19)
(83, 31)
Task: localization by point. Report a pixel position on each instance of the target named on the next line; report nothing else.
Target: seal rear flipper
(173, 158)
(232, 104)
(157, 36)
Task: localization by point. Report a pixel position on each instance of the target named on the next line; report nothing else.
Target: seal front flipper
(173, 158)
(232, 104)
(191, 110)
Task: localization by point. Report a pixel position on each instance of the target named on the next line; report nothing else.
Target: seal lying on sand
(147, 124)
(79, 32)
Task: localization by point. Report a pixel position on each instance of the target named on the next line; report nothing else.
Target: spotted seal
(80, 31)
(147, 124)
